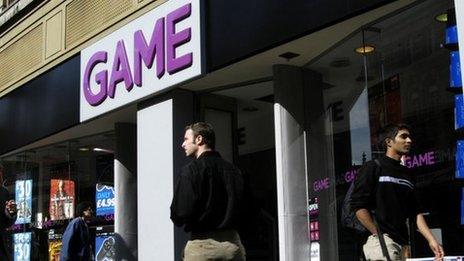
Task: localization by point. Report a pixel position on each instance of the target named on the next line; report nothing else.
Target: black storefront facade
(296, 107)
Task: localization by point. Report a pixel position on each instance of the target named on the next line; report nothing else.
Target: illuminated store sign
(154, 52)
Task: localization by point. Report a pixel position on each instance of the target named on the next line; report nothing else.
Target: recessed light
(442, 18)
(84, 149)
(340, 63)
(289, 55)
(365, 49)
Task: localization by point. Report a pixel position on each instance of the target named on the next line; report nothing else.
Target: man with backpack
(383, 198)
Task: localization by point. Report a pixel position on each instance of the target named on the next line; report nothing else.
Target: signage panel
(152, 53)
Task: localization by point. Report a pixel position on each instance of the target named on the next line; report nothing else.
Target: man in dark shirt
(208, 199)
(76, 237)
(387, 188)
(8, 211)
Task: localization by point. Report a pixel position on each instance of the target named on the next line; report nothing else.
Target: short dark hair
(389, 132)
(205, 130)
(81, 207)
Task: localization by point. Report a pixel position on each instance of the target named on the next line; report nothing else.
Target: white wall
(155, 182)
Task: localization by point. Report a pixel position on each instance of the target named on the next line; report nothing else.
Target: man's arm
(365, 218)
(425, 231)
(183, 202)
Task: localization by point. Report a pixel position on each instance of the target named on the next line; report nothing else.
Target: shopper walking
(208, 198)
(386, 188)
(76, 238)
(8, 211)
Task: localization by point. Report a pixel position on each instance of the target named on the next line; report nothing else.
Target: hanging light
(365, 49)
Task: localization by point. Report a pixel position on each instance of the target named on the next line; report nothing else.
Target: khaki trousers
(373, 251)
(216, 245)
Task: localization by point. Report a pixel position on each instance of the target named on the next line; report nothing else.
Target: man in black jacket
(208, 199)
(387, 188)
(8, 212)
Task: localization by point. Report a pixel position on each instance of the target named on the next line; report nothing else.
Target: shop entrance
(243, 118)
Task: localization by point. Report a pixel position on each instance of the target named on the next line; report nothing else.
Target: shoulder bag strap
(379, 232)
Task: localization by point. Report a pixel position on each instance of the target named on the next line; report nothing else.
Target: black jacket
(389, 192)
(209, 195)
(5, 222)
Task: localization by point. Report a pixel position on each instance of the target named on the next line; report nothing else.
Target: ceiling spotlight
(365, 49)
(102, 150)
(442, 18)
(84, 149)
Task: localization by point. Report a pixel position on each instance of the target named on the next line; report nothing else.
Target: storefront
(296, 104)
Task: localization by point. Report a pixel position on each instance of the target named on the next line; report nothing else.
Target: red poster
(384, 105)
(61, 199)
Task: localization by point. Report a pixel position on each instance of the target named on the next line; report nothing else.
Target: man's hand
(11, 208)
(437, 249)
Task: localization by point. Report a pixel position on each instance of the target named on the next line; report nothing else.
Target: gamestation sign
(154, 52)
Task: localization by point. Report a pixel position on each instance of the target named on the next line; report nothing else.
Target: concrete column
(125, 184)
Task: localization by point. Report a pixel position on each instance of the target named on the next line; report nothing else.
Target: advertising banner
(22, 246)
(104, 200)
(158, 50)
(61, 199)
(54, 245)
(23, 197)
(105, 244)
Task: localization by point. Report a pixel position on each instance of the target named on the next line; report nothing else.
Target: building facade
(95, 95)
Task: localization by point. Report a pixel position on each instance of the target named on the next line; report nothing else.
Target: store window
(48, 183)
(402, 75)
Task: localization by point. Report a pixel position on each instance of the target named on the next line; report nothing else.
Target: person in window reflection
(8, 214)
(208, 199)
(76, 238)
(384, 198)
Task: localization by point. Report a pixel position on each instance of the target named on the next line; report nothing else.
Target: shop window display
(48, 182)
(405, 78)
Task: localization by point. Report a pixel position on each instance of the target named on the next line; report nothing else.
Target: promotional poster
(54, 246)
(105, 244)
(460, 159)
(22, 246)
(384, 105)
(104, 200)
(458, 111)
(23, 197)
(61, 199)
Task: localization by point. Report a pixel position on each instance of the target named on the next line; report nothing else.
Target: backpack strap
(379, 232)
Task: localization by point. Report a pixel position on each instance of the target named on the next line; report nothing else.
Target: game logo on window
(22, 246)
(23, 197)
(61, 199)
(105, 244)
(104, 200)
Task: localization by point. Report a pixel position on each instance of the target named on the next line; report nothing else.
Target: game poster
(384, 105)
(22, 246)
(23, 197)
(61, 199)
(458, 111)
(54, 246)
(459, 159)
(105, 244)
(104, 200)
